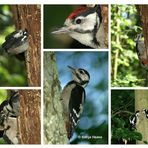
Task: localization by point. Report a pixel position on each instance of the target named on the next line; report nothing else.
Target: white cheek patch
(89, 22)
(19, 34)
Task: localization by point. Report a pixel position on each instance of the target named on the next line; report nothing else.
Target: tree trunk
(115, 68)
(143, 12)
(28, 16)
(105, 22)
(141, 102)
(29, 124)
(54, 128)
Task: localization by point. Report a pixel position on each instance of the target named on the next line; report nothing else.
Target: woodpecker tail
(69, 129)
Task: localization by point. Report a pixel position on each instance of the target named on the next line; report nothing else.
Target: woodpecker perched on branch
(145, 111)
(73, 97)
(134, 120)
(141, 51)
(16, 42)
(85, 25)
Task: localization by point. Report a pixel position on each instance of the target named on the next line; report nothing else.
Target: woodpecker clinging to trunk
(9, 111)
(145, 111)
(16, 42)
(85, 25)
(73, 97)
(141, 51)
(134, 120)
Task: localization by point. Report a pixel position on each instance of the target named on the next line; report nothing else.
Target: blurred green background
(12, 70)
(125, 26)
(54, 17)
(3, 96)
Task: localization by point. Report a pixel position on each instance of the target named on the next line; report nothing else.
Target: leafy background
(125, 25)
(3, 96)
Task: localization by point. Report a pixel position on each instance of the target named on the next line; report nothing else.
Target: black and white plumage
(145, 111)
(85, 25)
(16, 42)
(10, 107)
(134, 120)
(73, 97)
(9, 111)
(141, 51)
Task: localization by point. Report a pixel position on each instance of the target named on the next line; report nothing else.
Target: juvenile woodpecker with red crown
(73, 97)
(85, 25)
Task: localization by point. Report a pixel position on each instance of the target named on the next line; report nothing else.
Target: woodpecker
(85, 25)
(9, 107)
(73, 97)
(145, 111)
(134, 120)
(9, 111)
(141, 50)
(16, 42)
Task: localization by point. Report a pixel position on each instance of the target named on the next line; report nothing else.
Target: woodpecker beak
(61, 30)
(72, 69)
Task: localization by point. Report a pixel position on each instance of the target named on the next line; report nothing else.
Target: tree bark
(28, 16)
(29, 124)
(105, 22)
(143, 12)
(54, 128)
(141, 102)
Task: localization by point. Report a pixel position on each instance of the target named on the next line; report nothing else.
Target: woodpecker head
(145, 111)
(82, 25)
(137, 113)
(80, 76)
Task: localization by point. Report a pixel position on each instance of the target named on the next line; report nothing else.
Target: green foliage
(3, 95)
(146, 142)
(12, 71)
(122, 109)
(2, 141)
(125, 25)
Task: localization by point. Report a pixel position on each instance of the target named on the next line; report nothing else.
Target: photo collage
(73, 74)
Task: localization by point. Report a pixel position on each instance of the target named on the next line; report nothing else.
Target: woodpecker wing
(76, 104)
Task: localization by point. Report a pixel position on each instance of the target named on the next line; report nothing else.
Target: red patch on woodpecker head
(77, 12)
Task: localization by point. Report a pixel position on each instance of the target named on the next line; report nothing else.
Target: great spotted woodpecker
(73, 97)
(16, 42)
(9, 111)
(85, 25)
(134, 120)
(141, 50)
(145, 111)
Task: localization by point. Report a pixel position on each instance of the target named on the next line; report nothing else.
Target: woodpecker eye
(78, 21)
(81, 71)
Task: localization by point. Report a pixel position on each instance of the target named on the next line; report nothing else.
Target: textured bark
(105, 21)
(54, 128)
(29, 124)
(141, 102)
(28, 16)
(143, 12)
